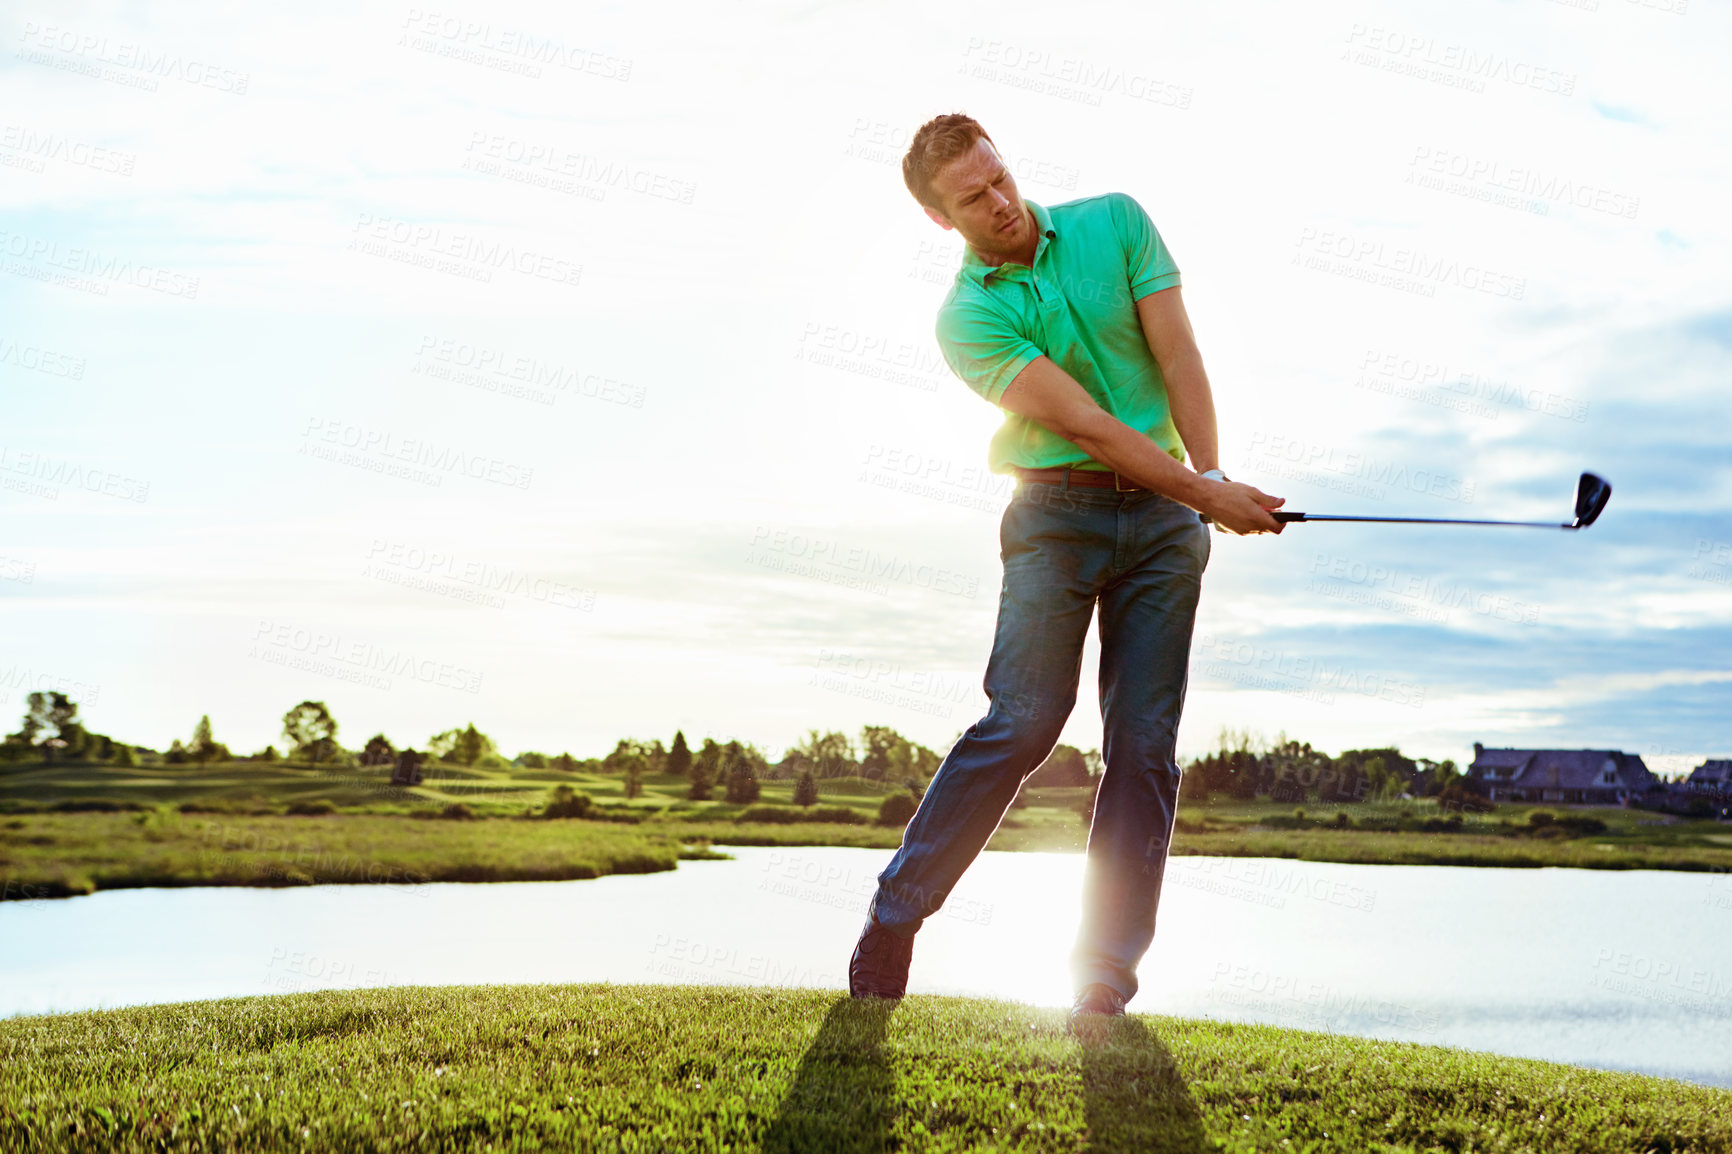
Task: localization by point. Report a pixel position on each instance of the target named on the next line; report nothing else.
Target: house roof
(1562, 768)
(1712, 771)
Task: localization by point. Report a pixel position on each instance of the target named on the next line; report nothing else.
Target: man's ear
(937, 218)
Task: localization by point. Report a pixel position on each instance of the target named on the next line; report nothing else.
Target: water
(1621, 970)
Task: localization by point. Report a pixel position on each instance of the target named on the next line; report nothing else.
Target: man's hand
(1045, 393)
(1242, 509)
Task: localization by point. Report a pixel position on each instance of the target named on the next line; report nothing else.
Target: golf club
(1592, 493)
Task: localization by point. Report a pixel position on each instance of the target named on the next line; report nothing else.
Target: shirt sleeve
(1148, 264)
(982, 348)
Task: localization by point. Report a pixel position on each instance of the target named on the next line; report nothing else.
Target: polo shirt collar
(973, 265)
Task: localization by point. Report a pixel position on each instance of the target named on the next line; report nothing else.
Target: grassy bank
(62, 855)
(234, 824)
(57, 855)
(646, 1068)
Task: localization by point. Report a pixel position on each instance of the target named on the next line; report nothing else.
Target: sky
(570, 370)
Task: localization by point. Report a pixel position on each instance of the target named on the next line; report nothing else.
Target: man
(1070, 320)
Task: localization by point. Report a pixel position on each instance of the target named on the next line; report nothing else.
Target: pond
(1627, 970)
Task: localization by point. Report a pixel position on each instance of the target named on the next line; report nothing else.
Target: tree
(311, 730)
(1064, 766)
(742, 780)
(48, 717)
(268, 753)
(627, 752)
(1388, 773)
(461, 746)
(564, 763)
(680, 756)
(1435, 775)
(204, 748)
(909, 760)
(634, 779)
(378, 751)
(877, 742)
(75, 743)
(1297, 769)
(532, 760)
(897, 809)
(123, 755)
(176, 754)
(1235, 768)
(1464, 794)
(472, 746)
(831, 754)
(407, 770)
(567, 802)
(704, 770)
(806, 788)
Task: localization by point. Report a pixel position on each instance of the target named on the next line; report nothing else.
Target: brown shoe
(879, 967)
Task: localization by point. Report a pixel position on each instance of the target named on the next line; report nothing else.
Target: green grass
(91, 850)
(648, 1068)
(57, 855)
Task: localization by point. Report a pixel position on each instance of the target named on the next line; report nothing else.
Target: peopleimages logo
(1277, 447)
(1372, 260)
(383, 446)
(868, 564)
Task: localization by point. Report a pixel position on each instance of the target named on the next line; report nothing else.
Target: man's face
(980, 201)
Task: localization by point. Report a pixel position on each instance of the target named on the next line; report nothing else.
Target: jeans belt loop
(1065, 491)
(1118, 484)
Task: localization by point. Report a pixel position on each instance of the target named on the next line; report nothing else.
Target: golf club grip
(1275, 513)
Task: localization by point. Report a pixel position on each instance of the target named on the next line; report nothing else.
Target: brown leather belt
(1093, 478)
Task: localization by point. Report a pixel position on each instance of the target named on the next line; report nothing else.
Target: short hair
(938, 142)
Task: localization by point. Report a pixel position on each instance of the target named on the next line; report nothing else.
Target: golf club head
(1592, 493)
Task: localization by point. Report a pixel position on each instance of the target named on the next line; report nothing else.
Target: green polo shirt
(1076, 305)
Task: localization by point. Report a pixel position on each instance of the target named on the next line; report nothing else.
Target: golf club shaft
(1281, 515)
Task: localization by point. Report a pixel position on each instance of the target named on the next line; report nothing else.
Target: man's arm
(1167, 329)
(1045, 393)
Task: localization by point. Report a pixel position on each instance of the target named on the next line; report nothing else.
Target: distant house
(1567, 776)
(1712, 775)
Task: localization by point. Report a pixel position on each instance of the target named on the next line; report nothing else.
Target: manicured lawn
(648, 1068)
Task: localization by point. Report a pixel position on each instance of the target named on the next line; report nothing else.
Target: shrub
(320, 808)
(897, 809)
(806, 788)
(567, 802)
(96, 805)
(457, 811)
(1540, 817)
(787, 815)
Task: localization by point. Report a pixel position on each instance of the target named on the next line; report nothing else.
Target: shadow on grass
(843, 1097)
(1133, 1095)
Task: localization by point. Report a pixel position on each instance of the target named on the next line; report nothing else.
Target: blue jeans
(1141, 555)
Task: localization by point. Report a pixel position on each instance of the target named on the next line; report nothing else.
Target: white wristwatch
(1213, 475)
